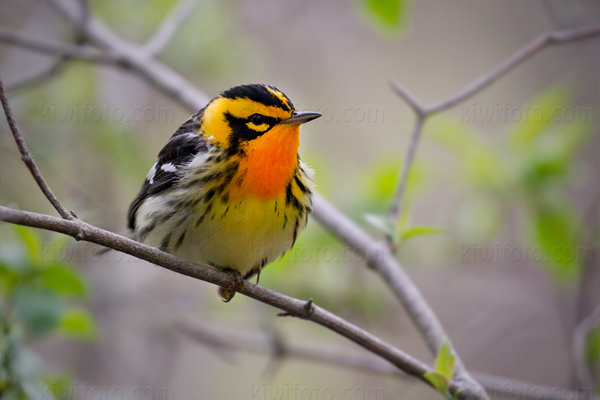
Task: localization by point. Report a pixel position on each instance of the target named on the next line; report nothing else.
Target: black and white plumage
(181, 148)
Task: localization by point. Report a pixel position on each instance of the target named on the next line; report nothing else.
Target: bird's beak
(298, 118)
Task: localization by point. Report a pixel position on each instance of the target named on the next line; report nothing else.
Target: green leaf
(386, 14)
(78, 323)
(537, 118)
(439, 382)
(420, 231)
(32, 241)
(64, 279)
(40, 309)
(8, 278)
(444, 369)
(59, 385)
(553, 230)
(444, 362)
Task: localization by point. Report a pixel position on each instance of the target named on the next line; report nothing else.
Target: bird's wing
(181, 148)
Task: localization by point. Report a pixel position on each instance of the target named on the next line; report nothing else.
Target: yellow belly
(242, 236)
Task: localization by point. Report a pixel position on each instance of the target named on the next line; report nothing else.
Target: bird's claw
(227, 293)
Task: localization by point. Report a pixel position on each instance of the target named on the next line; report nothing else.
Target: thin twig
(379, 257)
(422, 112)
(408, 97)
(235, 339)
(527, 51)
(28, 159)
(133, 57)
(486, 80)
(92, 234)
(228, 338)
(430, 326)
(406, 164)
(48, 72)
(169, 27)
(38, 77)
(417, 307)
(80, 52)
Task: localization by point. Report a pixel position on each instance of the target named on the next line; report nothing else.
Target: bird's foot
(227, 293)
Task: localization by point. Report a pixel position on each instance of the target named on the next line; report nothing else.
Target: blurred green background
(500, 222)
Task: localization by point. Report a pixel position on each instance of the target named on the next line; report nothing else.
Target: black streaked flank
(167, 217)
(225, 213)
(219, 189)
(207, 211)
(290, 199)
(301, 185)
(296, 225)
(180, 239)
(165, 243)
(209, 195)
(241, 177)
(144, 232)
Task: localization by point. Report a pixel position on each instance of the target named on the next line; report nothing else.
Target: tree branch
(408, 97)
(224, 338)
(396, 209)
(89, 233)
(379, 257)
(169, 27)
(423, 317)
(423, 112)
(85, 53)
(28, 159)
(133, 57)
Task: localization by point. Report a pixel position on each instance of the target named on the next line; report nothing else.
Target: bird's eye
(257, 119)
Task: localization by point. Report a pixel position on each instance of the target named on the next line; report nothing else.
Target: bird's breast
(267, 165)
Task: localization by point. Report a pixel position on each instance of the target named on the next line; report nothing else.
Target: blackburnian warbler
(229, 189)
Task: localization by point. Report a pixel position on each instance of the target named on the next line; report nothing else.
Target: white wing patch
(152, 173)
(168, 167)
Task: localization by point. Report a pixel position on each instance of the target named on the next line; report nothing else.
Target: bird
(229, 189)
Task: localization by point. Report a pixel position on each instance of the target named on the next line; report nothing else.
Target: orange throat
(268, 165)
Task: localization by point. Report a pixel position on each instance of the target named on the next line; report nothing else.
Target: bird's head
(251, 117)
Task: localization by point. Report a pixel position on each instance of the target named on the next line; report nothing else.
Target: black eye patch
(241, 130)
